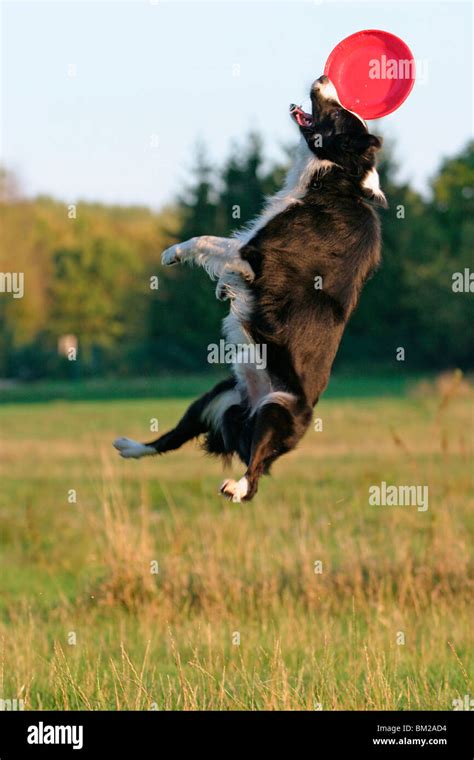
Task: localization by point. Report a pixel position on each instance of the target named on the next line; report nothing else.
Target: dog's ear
(367, 143)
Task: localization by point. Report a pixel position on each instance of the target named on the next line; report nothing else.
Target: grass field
(236, 616)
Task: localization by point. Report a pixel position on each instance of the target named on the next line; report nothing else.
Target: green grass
(168, 641)
(105, 389)
(343, 385)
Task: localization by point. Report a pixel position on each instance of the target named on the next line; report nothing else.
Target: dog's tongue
(304, 119)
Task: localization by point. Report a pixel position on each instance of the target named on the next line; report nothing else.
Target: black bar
(140, 734)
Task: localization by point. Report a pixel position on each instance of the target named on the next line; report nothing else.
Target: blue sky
(153, 77)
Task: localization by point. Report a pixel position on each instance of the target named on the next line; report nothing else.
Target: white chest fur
(294, 189)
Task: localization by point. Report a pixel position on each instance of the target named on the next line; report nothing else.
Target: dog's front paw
(245, 270)
(129, 449)
(223, 290)
(235, 490)
(233, 279)
(171, 256)
(238, 268)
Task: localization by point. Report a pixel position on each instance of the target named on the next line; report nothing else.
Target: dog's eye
(337, 113)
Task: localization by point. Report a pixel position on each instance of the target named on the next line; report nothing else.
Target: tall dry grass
(236, 616)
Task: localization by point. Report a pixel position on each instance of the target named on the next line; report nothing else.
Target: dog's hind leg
(279, 423)
(200, 417)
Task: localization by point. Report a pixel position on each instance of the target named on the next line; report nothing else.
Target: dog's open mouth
(302, 118)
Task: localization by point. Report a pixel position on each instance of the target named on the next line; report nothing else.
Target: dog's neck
(305, 169)
(298, 178)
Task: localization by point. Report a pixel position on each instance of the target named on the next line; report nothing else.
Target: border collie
(293, 278)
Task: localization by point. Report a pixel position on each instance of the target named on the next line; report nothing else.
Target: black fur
(333, 233)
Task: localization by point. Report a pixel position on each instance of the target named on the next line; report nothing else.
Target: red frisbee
(372, 71)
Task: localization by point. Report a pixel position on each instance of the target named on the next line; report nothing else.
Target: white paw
(238, 269)
(171, 256)
(129, 449)
(235, 489)
(244, 269)
(233, 278)
(223, 290)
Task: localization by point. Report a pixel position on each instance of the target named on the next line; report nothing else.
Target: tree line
(93, 271)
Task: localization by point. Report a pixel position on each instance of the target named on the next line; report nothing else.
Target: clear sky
(152, 77)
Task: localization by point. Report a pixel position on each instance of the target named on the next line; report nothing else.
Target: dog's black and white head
(338, 136)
